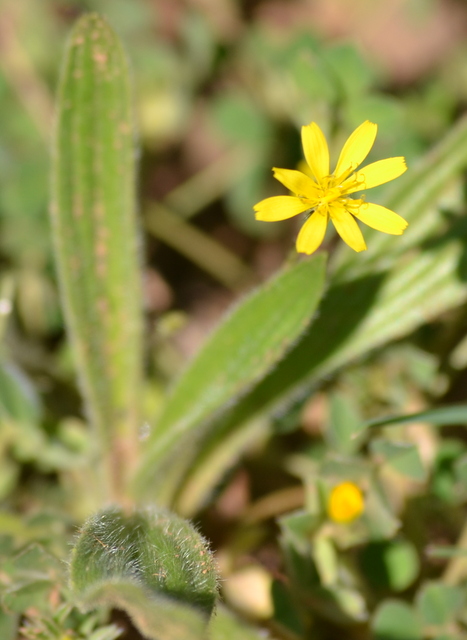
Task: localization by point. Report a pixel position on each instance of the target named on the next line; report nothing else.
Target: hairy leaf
(151, 563)
(93, 216)
(250, 341)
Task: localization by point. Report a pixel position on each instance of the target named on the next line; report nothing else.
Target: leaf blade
(94, 232)
(246, 345)
(439, 416)
(151, 563)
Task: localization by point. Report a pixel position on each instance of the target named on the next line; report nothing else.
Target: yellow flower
(328, 195)
(346, 502)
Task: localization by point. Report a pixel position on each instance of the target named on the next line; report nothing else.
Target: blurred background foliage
(221, 90)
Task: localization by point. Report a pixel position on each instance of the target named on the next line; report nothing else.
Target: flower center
(331, 188)
(330, 194)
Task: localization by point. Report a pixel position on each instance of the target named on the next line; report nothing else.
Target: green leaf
(94, 231)
(299, 527)
(396, 620)
(109, 632)
(378, 515)
(20, 529)
(248, 343)
(36, 594)
(441, 416)
(286, 612)
(401, 456)
(8, 625)
(353, 73)
(307, 566)
(341, 604)
(157, 617)
(310, 72)
(383, 109)
(325, 556)
(296, 532)
(219, 453)
(444, 478)
(226, 626)
(390, 565)
(344, 424)
(151, 563)
(32, 575)
(439, 603)
(19, 401)
(33, 563)
(241, 121)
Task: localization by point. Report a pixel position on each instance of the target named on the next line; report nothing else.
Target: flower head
(329, 195)
(346, 502)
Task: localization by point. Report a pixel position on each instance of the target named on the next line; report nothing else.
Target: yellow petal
(346, 502)
(316, 150)
(297, 182)
(381, 219)
(356, 148)
(377, 173)
(279, 208)
(304, 168)
(347, 228)
(312, 233)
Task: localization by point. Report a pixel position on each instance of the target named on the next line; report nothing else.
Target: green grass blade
(243, 349)
(93, 217)
(440, 416)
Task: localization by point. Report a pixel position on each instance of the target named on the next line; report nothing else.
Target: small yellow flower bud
(346, 502)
